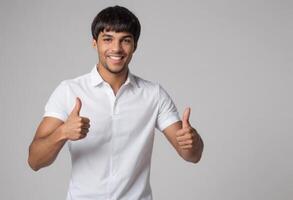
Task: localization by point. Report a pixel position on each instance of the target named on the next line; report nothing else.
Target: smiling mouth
(116, 57)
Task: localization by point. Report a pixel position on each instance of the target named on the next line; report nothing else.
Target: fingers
(186, 138)
(185, 118)
(86, 125)
(81, 136)
(78, 136)
(186, 147)
(185, 142)
(77, 127)
(83, 125)
(84, 131)
(85, 120)
(79, 133)
(184, 131)
(77, 107)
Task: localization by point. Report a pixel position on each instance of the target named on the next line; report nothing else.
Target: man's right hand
(76, 127)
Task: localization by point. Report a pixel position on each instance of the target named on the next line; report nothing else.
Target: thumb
(77, 107)
(185, 119)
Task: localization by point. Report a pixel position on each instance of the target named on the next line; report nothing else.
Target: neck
(114, 80)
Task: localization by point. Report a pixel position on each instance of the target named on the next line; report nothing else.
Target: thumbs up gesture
(76, 127)
(187, 136)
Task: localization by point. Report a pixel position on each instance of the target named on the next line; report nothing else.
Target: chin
(116, 70)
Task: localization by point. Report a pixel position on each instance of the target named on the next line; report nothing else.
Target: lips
(115, 59)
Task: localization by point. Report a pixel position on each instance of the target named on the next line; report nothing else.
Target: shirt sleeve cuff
(172, 118)
(62, 117)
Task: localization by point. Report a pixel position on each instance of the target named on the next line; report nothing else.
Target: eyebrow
(126, 36)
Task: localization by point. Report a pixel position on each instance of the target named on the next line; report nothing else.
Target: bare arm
(52, 134)
(185, 139)
(48, 141)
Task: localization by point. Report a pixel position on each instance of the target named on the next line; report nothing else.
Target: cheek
(128, 48)
(129, 51)
(101, 52)
(101, 47)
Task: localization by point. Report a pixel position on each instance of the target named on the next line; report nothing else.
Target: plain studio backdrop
(230, 61)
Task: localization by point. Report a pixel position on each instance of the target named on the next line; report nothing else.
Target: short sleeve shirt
(113, 161)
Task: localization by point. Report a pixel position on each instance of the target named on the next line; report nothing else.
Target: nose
(116, 46)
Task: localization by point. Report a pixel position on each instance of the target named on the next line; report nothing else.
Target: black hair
(118, 19)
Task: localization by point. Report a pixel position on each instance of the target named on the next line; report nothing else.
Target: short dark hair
(118, 19)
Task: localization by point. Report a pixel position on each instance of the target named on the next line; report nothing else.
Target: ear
(94, 44)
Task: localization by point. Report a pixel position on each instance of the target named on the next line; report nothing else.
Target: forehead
(115, 34)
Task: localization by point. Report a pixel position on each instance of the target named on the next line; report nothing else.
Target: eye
(107, 39)
(127, 40)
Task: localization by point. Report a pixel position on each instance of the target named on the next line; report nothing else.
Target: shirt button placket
(115, 107)
(112, 101)
(114, 130)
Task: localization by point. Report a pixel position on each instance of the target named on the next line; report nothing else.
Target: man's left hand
(187, 137)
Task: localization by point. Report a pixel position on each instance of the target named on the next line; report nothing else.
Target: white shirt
(113, 161)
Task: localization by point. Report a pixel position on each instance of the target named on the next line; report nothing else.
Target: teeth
(116, 57)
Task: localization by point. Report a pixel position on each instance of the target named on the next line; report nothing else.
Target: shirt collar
(96, 78)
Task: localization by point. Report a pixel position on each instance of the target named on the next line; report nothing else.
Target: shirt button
(114, 108)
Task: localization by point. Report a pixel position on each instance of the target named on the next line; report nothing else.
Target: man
(108, 118)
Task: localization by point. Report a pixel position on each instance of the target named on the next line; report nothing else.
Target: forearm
(43, 151)
(193, 154)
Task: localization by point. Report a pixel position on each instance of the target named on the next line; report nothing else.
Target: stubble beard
(106, 66)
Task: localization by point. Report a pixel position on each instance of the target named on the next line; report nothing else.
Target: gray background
(231, 61)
